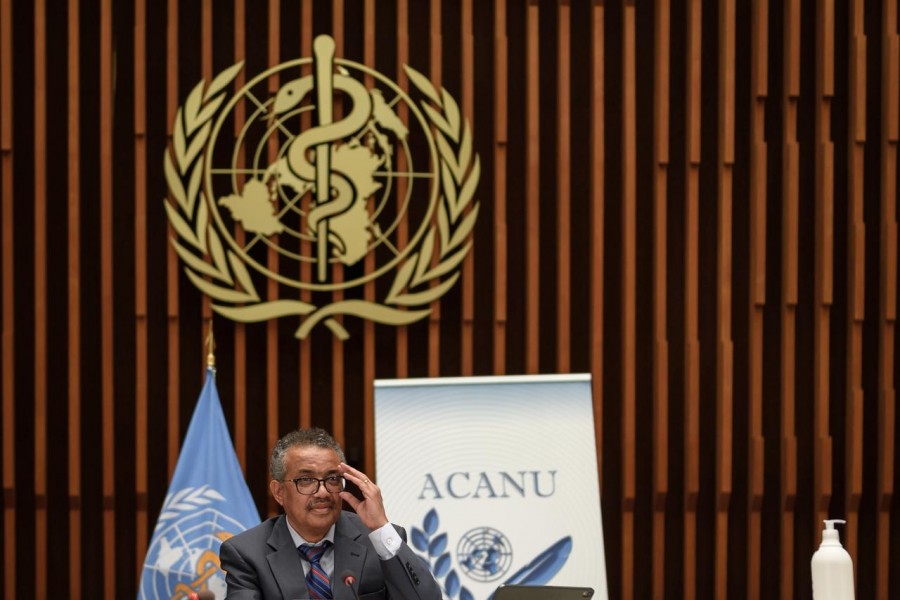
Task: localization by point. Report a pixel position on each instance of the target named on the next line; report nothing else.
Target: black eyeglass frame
(319, 483)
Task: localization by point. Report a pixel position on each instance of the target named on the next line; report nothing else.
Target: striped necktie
(317, 579)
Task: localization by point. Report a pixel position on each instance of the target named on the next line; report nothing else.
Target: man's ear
(277, 491)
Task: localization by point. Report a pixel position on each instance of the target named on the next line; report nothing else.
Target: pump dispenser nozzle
(830, 535)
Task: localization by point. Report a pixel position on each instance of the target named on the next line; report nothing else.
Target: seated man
(316, 549)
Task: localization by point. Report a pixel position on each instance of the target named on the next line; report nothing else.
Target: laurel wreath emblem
(188, 499)
(421, 278)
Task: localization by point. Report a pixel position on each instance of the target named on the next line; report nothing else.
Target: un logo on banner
(483, 554)
(321, 175)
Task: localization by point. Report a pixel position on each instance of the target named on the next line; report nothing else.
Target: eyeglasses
(310, 485)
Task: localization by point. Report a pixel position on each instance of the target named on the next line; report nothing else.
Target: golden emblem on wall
(322, 175)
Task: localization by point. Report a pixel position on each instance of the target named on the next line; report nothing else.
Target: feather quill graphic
(545, 565)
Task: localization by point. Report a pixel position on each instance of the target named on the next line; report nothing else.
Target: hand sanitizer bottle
(832, 567)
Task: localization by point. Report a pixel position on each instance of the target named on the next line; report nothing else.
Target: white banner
(495, 479)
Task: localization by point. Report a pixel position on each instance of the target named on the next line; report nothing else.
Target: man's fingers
(348, 470)
(351, 499)
(357, 477)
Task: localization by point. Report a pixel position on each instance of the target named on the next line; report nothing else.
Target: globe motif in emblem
(320, 169)
(185, 556)
(484, 554)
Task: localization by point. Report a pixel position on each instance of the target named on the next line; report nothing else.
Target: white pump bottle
(832, 567)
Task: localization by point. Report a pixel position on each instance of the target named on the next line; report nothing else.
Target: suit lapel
(285, 562)
(349, 555)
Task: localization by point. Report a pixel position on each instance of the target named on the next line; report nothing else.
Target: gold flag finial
(210, 346)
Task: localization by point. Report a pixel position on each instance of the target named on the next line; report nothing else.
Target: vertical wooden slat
(501, 74)
(629, 292)
(141, 331)
(598, 198)
(890, 115)
(436, 75)
(306, 40)
(467, 281)
(856, 232)
(790, 198)
(563, 189)
(824, 223)
(532, 187)
(660, 339)
(691, 300)
(107, 300)
(337, 345)
(206, 72)
(370, 16)
(74, 301)
(206, 32)
(757, 292)
(40, 298)
(724, 343)
(403, 225)
(240, 330)
(172, 265)
(272, 360)
(8, 333)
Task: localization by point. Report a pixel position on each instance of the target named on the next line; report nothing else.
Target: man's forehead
(312, 457)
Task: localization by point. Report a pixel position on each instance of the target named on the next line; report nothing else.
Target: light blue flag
(208, 502)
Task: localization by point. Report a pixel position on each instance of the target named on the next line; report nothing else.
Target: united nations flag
(208, 502)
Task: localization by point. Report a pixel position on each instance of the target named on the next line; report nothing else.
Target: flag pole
(210, 348)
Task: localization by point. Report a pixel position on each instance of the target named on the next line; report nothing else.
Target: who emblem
(184, 554)
(321, 175)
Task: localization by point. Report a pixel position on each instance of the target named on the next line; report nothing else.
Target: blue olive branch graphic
(434, 555)
(433, 548)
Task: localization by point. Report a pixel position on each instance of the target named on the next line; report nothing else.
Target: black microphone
(350, 580)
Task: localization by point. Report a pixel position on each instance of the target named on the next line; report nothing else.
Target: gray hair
(301, 437)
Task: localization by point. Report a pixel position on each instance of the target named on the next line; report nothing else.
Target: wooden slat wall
(856, 265)
(691, 350)
(597, 219)
(627, 295)
(501, 138)
(887, 317)
(435, 68)
(8, 336)
(724, 346)
(173, 375)
(337, 347)
(756, 284)
(369, 293)
(790, 229)
(239, 336)
(467, 104)
(73, 354)
(108, 280)
(661, 116)
(711, 233)
(563, 187)
(531, 166)
(40, 297)
(141, 332)
(824, 267)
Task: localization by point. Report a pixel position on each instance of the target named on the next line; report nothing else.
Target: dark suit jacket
(263, 563)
